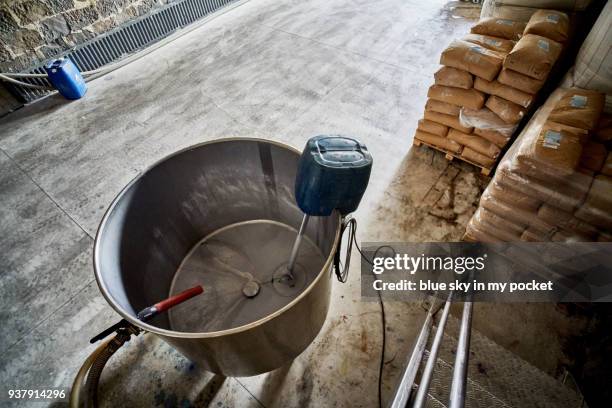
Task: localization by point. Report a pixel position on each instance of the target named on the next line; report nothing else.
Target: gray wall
(32, 31)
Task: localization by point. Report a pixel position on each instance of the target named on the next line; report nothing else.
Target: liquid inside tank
(242, 268)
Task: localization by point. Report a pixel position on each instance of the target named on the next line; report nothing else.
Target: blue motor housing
(333, 173)
(66, 78)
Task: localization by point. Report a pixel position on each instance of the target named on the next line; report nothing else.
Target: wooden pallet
(450, 156)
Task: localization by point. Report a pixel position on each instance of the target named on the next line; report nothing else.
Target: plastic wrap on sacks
(509, 112)
(448, 120)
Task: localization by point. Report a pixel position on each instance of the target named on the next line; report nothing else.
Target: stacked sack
(522, 10)
(488, 80)
(555, 182)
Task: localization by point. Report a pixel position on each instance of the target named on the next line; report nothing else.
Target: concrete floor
(284, 70)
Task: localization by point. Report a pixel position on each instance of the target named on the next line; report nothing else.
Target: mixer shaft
(296, 245)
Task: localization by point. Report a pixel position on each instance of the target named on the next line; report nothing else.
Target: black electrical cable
(383, 318)
(342, 274)
(342, 271)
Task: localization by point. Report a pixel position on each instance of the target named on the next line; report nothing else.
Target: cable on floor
(342, 275)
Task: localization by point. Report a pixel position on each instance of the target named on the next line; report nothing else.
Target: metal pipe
(421, 397)
(23, 75)
(458, 386)
(296, 245)
(20, 83)
(404, 387)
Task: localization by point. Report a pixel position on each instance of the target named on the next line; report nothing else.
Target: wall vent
(125, 40)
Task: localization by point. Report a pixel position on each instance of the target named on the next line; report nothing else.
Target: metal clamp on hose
(95, 372)
(94, 365)
(91, 370)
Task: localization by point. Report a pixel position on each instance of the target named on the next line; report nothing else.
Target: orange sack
(499, 27)
(600, 194)
(533, 235)
(569, 236)
(442, 107)
(511, 213)
(533, 56)
(565, 220)
(485, 119)
(438, 141)
(597, 208)
(594, 216)
(448, 120)
(593, 156)
(519, 81)
(471, 155)
(473, 58)
(432, 127)
(492, 136)
(509, 112)
(482, 214)
(457, 96)
(551, 24)
(566, 196)
(475, 142)
(457, 78)
(603, 131)
(476, 233)
(556, 151)
(493, 43)
(513, 196)
(496, 226)
(580, 108)
(503, 91)
(607, 166)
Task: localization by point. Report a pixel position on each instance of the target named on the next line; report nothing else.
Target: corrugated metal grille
(126, 40)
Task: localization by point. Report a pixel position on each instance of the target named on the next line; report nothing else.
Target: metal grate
(125, 40)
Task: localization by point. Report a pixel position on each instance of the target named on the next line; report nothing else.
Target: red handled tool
(150, 312)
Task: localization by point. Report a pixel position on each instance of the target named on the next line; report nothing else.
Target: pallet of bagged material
(553, 182)
(487, 84)
(451, 156)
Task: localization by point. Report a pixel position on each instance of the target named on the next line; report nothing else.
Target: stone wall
(32, 31)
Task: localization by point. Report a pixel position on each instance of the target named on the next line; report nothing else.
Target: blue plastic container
(66, 78)
(333, 173)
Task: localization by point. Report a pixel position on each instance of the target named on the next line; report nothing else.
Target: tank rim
(199, 335)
